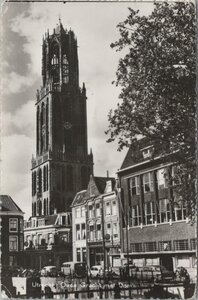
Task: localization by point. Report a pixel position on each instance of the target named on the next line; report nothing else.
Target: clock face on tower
(67, 125)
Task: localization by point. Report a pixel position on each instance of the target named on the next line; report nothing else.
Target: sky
(24, 25)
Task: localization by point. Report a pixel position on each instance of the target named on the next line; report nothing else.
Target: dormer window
(147, 152)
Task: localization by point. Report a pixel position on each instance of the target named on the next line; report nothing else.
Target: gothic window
(84, 177)
(37, 129)
(34, 182)
(44, 178)
(40, 181)
(47, 124)
(40, 208)
(65, 69)
(51, 207)
(47, 207)
(55, 63)
(44, 208)
(34, 209)
(70, 178)
(47, 178)
(42, 127)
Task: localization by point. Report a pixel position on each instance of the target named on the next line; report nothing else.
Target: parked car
(155, 273)
(71, 268)
(96, 271)
(49, 271)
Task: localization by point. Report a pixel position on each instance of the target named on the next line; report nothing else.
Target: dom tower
(62, 164)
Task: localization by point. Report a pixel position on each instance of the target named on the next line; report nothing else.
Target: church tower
(62, 165)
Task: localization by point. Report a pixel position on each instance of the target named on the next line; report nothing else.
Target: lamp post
(126, 221)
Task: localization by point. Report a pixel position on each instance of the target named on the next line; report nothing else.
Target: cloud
(22, 121)
(15, 168)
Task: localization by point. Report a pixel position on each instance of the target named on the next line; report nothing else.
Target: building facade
(154, 221)
(62, 164)
(48, 240)
(11, 232)
(96, 231)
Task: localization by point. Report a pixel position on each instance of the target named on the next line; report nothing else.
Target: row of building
(77, 215)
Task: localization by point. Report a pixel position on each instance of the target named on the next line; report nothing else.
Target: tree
(157, 79)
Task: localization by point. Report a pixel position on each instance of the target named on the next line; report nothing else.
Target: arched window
(40, 208)
(51, 207)
(44, 208)
(47, 124)
(40, 181)
(42, 126)
(47, 178)
(47, 207)
(65, 69)
(34, 188)
(84, 178)
(70, 178)
(37, 129)
(54, 60)
(44, 178)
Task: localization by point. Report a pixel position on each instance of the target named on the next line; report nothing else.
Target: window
(109, 229)
(114, 208)
(13, 243)
(98, 231)
(97, 209)
(21, 225)
(84, 255)
(164, 210)
(83, 231)
(50, 238)
(78, 236)
(147, 152)
(63, 220)
(148, 182)
(115, 230)
(179, 212)
(78, 258)
(181, 245)
(134, 186)
(83, 211)
(65, 69)
(91, 228)
(39, 239)
(162, 179)
(136, 217)
(193, 243)
(136, 247)
(108, 208)
(165, 246)
(78, 212)
(90, 211)
(13, 225)
(150, 213)
(150, 247)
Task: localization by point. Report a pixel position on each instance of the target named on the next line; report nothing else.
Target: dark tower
(62, 165)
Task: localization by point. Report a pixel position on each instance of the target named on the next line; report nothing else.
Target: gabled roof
(96, 187)
(8, 204)
(101, 183)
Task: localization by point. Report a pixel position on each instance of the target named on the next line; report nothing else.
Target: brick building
(11, 232)
(158, 230)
